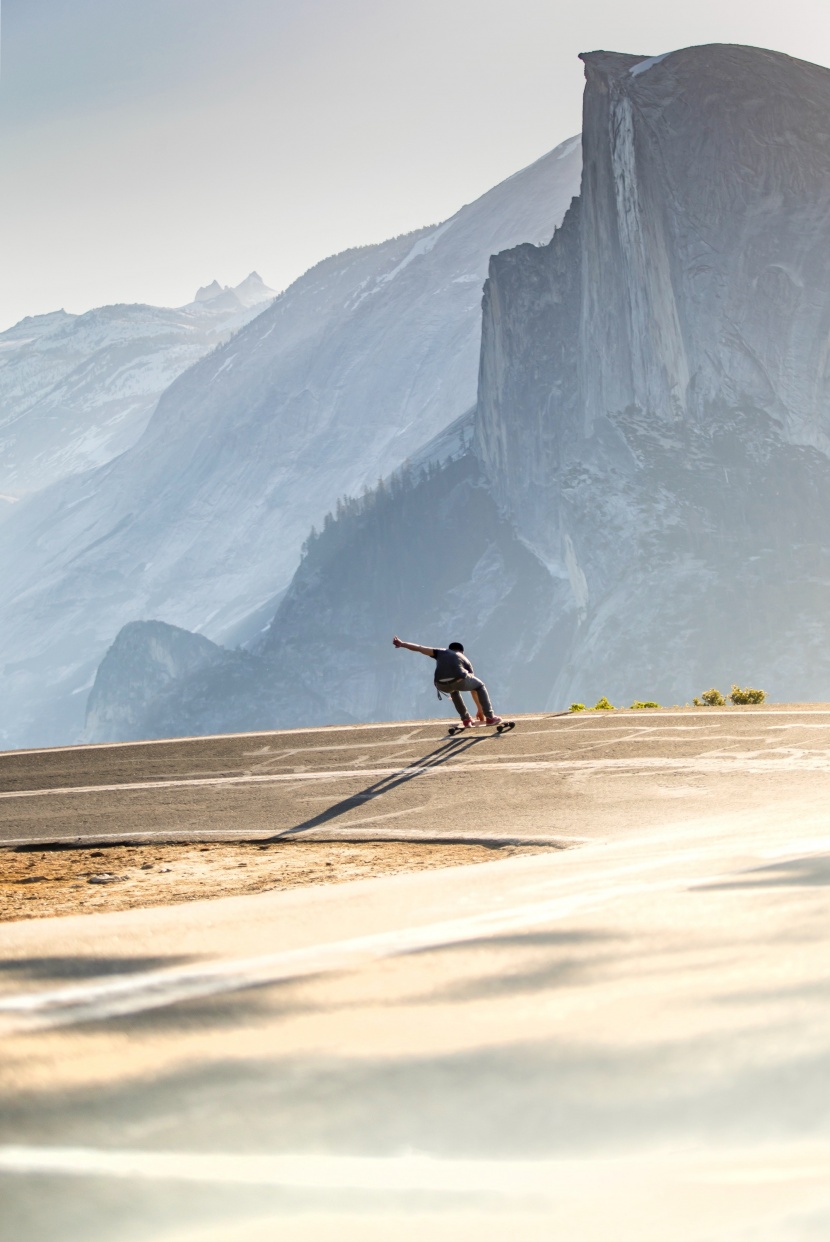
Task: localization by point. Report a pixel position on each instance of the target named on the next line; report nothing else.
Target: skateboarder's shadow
(420, 767)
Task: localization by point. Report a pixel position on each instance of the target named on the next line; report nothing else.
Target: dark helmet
(455, 647)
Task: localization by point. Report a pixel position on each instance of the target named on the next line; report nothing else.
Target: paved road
(625, 1039)
(554, 778)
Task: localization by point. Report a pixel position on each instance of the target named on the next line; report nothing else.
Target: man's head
(455, 647)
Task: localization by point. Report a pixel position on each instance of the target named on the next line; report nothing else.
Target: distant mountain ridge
(252, 291)
(77, 390)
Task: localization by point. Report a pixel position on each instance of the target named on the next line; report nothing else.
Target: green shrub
(747, 695)
(638, 705)
(602, 705)
(577, 707)
(710, 698)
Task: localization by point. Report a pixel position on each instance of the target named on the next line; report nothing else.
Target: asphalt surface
(625, 1039)
(553, 778)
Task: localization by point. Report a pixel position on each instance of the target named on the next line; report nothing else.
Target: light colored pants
(454, 688)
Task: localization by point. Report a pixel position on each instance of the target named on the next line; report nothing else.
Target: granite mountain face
(199, 524)
(654, 403)
(645, 505)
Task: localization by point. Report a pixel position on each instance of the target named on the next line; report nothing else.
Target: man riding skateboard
(454, 673)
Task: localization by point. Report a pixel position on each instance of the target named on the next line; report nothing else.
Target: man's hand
(396, 642)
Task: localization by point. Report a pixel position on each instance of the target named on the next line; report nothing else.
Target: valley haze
(200, 524)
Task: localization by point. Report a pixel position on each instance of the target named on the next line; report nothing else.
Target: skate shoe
(493, 720)
(467, 723)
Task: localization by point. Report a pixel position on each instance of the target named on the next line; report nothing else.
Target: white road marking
(798, 1162)
(796, 761)
(582, 717)
(388, 727)
(313, 1172)
(374, 819)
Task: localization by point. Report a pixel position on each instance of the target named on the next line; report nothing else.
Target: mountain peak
(249, 292)
(208, 292)
(253, 289)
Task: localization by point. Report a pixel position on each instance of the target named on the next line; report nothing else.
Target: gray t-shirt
(450, 665)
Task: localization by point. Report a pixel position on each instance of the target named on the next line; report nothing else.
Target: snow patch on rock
(644, 65)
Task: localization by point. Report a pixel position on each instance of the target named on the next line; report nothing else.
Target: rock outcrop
(146, 660)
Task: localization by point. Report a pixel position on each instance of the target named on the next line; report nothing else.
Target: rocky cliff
(654, 406)
(146, 660)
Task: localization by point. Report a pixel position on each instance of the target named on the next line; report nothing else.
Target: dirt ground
(41, 882)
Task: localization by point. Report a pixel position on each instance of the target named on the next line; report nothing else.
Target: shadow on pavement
(794, 873)
(48, 968)
(528, 976)
(526, 1099)
(383, 786)
(512, 940)
(497, 983)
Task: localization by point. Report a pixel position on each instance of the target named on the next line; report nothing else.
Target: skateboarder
(454, 673)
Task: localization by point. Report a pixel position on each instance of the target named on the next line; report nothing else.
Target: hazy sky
(148, 146)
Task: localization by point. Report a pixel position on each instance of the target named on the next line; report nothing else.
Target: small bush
(602, 705)
(577, 707)
(637, 706)
(747, 695)
(710, 698)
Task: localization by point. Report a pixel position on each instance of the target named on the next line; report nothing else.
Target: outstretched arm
(427, 651)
